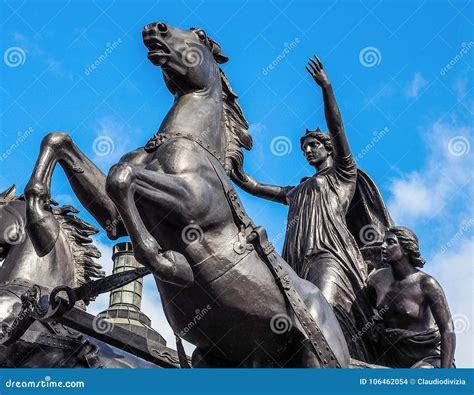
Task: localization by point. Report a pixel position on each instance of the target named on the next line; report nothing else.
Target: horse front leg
(87, 182)
(123, 182)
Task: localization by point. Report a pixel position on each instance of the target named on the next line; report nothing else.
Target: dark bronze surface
(153, 194)
(70, 262)
(416, 328)
(222, 286)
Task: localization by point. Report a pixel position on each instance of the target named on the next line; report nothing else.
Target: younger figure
(418, 328)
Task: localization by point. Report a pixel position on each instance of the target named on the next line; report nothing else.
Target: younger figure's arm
(440, 310)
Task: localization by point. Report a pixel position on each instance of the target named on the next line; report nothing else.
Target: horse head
(188, 58)
(190, 62)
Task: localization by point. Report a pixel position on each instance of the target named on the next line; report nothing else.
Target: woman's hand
(273, 193)
(316, 71)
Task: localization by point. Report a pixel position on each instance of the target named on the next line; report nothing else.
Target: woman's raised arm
(331, 109)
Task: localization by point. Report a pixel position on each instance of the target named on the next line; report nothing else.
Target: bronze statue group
(340, 298)
(412, 325)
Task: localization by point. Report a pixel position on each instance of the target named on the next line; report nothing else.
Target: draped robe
(318, 236)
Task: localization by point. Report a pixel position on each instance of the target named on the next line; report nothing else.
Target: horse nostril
(162, 28)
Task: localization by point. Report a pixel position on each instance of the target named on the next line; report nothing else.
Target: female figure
(418, 328)
(318, 243)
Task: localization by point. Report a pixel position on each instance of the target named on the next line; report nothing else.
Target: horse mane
(76, 232)
(236, 129)
(84, 253)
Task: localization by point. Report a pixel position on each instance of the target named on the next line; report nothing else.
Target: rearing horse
(174, 199)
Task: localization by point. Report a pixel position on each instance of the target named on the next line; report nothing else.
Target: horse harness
(52, 334)
(257, 236)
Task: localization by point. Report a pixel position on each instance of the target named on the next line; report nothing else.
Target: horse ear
(219, 56)
(9, 193)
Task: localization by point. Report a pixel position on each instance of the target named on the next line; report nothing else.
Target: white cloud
(32, 47)
(411, 198)
(55, 67)
(430, 193)
(416, 85)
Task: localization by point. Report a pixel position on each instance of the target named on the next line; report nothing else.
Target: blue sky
(402, 72)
